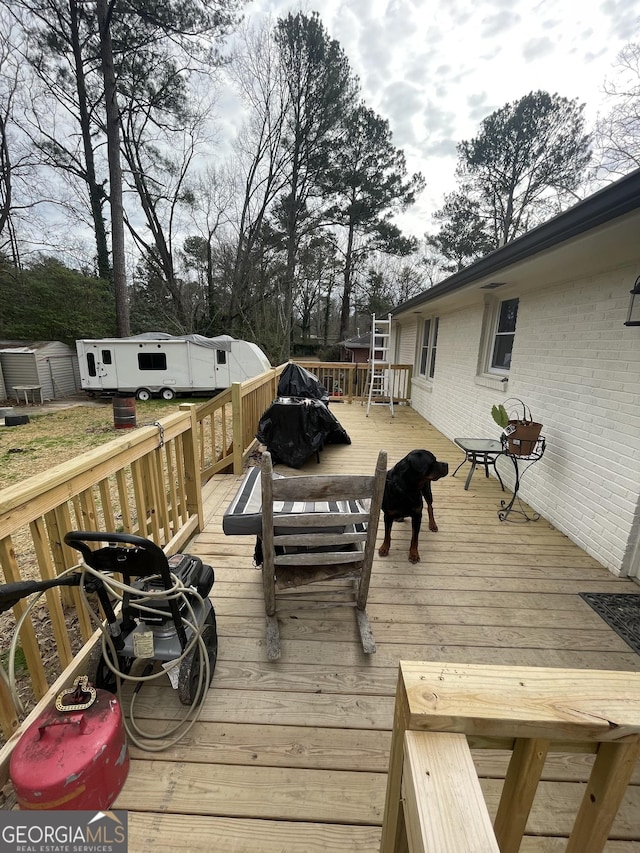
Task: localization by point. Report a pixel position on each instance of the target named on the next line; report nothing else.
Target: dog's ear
(403, 468)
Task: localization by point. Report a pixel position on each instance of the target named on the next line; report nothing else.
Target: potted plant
(520, 431)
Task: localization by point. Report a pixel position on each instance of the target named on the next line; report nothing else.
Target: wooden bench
(529, 712)
(444, 809)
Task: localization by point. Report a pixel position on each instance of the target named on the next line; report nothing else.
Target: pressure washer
(165, 624)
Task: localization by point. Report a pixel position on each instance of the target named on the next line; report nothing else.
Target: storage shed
(52, 365)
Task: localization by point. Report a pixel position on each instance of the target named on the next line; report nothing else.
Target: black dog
(407, 483)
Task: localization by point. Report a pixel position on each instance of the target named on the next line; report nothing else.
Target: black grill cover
(295, 381)
(293, 428)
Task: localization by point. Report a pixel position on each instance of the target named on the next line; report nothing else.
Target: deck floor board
(292, 755)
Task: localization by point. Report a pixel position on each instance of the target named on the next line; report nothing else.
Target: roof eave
(604, 206)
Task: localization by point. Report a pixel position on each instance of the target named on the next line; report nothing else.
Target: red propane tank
(74, 756)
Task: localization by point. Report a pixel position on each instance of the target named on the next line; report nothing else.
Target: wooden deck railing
(147, 482)
(530, 712)
(347, 381)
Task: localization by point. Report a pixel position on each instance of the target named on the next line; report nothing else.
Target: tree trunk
(96, 193)
(345, 310)
(115, 172)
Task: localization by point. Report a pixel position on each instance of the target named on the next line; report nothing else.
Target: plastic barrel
(124, 412)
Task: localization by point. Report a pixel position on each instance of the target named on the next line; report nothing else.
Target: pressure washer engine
(165, 610)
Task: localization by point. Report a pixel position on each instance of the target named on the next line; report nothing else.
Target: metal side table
(521, 465)
(480, 451)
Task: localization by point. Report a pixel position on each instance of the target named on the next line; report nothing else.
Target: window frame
(152, 361)
(428, 346)
(495, 333)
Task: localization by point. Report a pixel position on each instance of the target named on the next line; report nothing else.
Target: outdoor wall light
(633, 318)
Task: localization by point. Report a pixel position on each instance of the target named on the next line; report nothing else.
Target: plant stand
(521, 465)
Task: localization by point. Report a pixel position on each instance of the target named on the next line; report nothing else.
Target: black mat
(621, 611)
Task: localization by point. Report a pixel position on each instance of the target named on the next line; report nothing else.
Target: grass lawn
(51, 438)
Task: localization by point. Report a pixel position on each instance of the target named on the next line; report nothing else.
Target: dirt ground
(56, 432)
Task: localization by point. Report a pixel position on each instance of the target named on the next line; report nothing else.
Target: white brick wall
(578, 368)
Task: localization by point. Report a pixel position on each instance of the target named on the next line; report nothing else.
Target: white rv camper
(157, 363)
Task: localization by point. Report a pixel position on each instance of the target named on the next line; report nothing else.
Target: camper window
(106, 356)
(152, 361)
(91, 364)
(221, 356)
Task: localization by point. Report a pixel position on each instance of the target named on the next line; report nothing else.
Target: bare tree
(212, 202)
(19, 189)
(260, 157)
(9, 81)
(617, 133)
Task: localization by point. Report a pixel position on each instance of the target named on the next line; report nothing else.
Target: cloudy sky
(436, 68)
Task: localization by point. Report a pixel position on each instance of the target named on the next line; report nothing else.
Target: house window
(221, 356)
(152, 361)
(504, 335)
(432, 348)
(428, 352)
(106, 356)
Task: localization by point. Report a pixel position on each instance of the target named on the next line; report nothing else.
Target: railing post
(409, 380)
(237, 418)
(193, 485)
(350, 373)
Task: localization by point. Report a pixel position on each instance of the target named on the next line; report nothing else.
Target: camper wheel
(143, 394)
(168, 394)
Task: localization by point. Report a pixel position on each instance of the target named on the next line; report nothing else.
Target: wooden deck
(292, 756)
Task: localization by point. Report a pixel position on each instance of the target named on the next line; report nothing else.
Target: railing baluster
(107, 505)
(174, 515)
(47, 572)
(28, 639)
(141, 526)
(123, 498)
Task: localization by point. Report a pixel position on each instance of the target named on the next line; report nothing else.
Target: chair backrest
(327, 528)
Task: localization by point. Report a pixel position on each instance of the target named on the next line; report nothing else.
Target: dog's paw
(433, 527)
(383, 550)
(414, 557)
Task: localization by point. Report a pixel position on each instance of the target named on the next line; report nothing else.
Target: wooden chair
(337, 516)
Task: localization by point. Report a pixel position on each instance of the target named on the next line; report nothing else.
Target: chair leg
(273, 638)
(366, 634)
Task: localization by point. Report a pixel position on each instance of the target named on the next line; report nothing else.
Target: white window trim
(489, 333)
(434, 323)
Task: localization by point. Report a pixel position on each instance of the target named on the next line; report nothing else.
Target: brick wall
(578, 368)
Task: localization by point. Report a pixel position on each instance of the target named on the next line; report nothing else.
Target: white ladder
(379, 372)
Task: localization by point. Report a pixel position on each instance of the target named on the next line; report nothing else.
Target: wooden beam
(444, 809)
